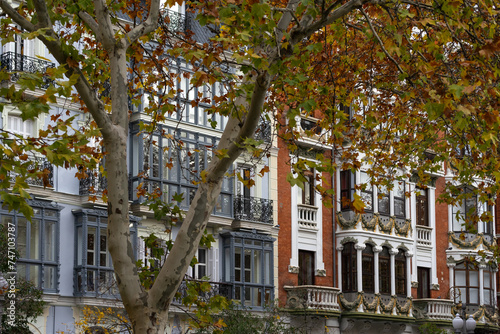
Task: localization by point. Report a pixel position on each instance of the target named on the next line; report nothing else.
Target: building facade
(63, 251)
(406, 262)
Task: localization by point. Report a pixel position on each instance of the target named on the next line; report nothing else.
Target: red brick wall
(441, 244)
(284, 220)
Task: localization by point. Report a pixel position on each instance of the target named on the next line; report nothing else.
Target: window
(422, 207)
(308, 192)
(489, 297)
(384, 267)
(37, 244)
(368, 266)
(306, 267)
(349, 266)
(367, 191)
(186, 93)
(384, 206)
(467, 281)
(400, 263)
(200, 269)
(18, 126)
(248, 267)
(347, 182)
(93, 267)
(467, 214)
(162, 166)
(424, 282)
(399, 199)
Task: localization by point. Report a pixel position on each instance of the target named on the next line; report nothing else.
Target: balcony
(253, 209)
(96, 282)
(424, 235)
(216, 289)
(17, 63)
(94, 184)
(307, 216)
(174, 21)
(264, 131)
(311, 297)
(38, 165)
(433, 309)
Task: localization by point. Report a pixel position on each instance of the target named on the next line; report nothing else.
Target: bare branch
(380, 41)
(16, 17)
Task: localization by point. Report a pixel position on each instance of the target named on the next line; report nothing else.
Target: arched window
(349, 268)
(384, 268)
(400, 262)
(368, 266)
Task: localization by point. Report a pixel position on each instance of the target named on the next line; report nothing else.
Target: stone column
(451, 268)
(481, 267)
(376, 251)
(339, 266)
(393, 252)
(408, 255)
(359, 260)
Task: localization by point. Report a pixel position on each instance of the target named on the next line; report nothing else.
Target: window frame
(424, 282)
(309, 184)
(464, 218)
(422, 207)
(82, 268)
(202, 263)
(368, 276)
(384, 256)
(400, 199)
(468, 268)
(177, 178)
(367, 191)
(347, 189)
(241, 289)
(306, 270)
(39, 214)
(400, 272)
(349, 267)
(383, 195)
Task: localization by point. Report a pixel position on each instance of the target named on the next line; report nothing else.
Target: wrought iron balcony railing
(216, 289)
(39, 164)
(43, 165)
(17, 63)
(96, 282)
(264, 131)
(253, 209)
(94, 184)
(173, 20)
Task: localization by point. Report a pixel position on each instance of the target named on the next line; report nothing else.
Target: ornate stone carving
(435, 287)
(321, 272)
(347, 240)
(360, 246)
(293, 269)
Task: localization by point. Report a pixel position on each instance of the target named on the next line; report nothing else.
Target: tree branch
(93, 25)
(380, 41)
(16, 17)
(147, 26)
(106, 27)
(42, 14)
